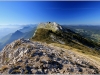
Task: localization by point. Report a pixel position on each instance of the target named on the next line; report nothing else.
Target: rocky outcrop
(27, 57)
(50, 26)
(52, 32)
(49, 32)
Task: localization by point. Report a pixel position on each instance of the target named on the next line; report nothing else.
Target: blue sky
(62, 12)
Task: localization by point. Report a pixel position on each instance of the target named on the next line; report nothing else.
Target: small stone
(40, 70)
(33, 71)
(19, 60)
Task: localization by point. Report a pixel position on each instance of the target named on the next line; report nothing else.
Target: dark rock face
(27, 57)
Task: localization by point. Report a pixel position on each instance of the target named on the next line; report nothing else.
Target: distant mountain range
(7, 29)
(26, 32)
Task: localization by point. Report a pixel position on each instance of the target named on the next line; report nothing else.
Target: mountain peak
(50, 26)
(18, 31)
(63, 52)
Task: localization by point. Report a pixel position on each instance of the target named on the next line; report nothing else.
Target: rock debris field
(27, 57)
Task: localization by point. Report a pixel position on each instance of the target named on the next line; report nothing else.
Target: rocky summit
(50, 26)
(27, 57)
(52, 50)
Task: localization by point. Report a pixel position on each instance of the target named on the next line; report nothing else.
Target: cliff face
(27, 57)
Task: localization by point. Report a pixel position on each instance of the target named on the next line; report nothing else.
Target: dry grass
(3, 68)
(94, 59)
(16, 71)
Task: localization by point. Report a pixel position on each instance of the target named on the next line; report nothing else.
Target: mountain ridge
(66, 36)
(51, 50)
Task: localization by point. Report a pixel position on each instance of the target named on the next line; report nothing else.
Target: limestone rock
(50, 25)
(40, 58)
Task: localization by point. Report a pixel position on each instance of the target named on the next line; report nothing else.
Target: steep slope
(52, 49)
(27, 57)
(66, 37)
(89, 31)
